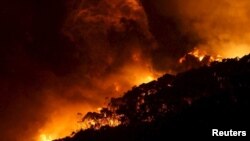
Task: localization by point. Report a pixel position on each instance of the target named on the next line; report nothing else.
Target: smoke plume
(58, 58)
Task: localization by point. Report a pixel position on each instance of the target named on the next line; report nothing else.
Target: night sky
(59, 55)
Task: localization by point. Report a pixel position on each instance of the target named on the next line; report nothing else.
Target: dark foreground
(189, 104)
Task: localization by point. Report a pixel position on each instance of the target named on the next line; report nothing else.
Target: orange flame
(200, 55)
(44, 137)
(63, 122)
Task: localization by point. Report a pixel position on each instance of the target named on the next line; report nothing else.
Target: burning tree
(171, 94)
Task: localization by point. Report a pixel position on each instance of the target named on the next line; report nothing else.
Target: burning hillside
(62, 57)
(190, 103)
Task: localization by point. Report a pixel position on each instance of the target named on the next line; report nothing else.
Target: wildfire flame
(200, 55)
(96, 123)
(138, 72)
(61, 122)
(44, 137)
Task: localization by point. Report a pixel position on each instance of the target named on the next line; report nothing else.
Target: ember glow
(111, 120)
(62, 122)
(65, 120)
(197, 53)
(44, 137)
(200, 55)
(235, 50)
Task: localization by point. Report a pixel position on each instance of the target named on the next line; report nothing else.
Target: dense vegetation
(191, 103)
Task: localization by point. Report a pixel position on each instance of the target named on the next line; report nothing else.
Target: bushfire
(60, 58)
(66, 120)
(201, 55)
(108, 28)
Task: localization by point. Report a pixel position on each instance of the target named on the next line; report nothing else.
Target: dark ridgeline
(189, 104)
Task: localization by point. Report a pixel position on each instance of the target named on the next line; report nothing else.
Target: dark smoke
(57, 55)
(110, 32)
(174, 40)
(218, 27)
(34, 57)
(112, 29)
